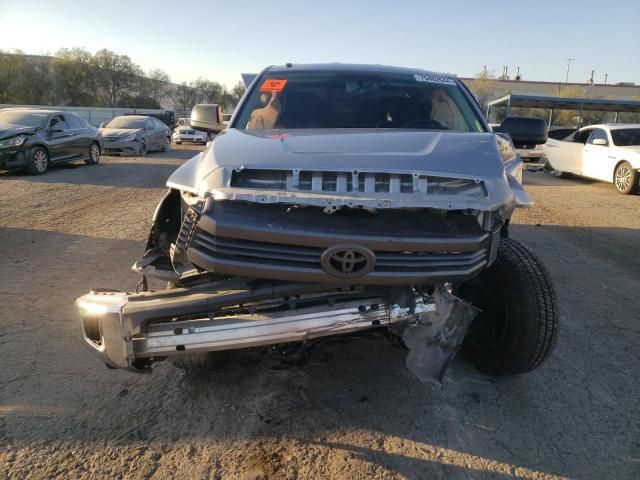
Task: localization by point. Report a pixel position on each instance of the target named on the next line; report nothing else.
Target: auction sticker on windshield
(273, 85)
(434, 79)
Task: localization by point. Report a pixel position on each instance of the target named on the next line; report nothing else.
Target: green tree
(116, 76)
(74, 77)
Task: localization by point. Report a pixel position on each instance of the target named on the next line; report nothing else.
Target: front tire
(37, 161)
(625, 179)
(201, 361)
(94, 154)
(518, 327)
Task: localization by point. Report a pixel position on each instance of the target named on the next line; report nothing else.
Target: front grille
(282, 242)
(354, 181)
(272, 255)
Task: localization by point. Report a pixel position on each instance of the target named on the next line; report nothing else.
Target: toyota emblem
(347, 261)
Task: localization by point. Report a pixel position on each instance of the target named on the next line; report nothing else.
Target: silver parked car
(135, 135)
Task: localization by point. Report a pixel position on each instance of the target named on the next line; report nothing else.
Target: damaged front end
(258, 257)
(132, 331)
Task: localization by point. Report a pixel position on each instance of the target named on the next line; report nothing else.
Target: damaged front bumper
(131, 331)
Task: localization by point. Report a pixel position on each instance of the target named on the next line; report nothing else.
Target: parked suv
(340, 199)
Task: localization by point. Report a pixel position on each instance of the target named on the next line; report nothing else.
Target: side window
(149, 125)
(598, 134)
(58, 123)
(583, 136)
(158, 123)
(74, 122)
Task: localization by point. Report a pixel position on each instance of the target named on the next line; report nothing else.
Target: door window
(74, 122)
(582, 136)
(149, 125)
(598, 134)
(58, 122)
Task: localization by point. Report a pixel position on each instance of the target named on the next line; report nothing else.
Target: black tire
(178, 143)
(94, 154)
(37, 161)
(625, 179)
(200, 361)
(518, 327)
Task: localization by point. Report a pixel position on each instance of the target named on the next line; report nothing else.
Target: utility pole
(569, 60)
(605, 78)
(591, 79)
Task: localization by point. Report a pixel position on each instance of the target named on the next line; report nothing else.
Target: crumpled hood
(118, 132)
(8, 130)
(447, 154)
(374, 150)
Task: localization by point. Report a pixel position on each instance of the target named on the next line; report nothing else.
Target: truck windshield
(346, 99)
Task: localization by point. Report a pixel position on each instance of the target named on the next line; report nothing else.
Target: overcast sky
(220, 39)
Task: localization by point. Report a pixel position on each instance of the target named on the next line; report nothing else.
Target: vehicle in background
(167, 117)
(184, 133)
(610, 153)
(560, 133)
(135, 135)
(36, 139)
(529, 152)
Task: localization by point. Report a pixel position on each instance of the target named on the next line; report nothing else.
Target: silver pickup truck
(340, 199)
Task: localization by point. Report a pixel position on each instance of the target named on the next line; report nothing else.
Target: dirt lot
(354, 411)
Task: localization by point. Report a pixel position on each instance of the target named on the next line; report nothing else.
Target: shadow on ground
(573, 417)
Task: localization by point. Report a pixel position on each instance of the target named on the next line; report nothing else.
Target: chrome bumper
(117, 329)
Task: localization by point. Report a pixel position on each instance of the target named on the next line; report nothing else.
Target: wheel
(37, 161)
(625, 178)
(143, 149)
(94, 154)
(193, 362)
(517, 328)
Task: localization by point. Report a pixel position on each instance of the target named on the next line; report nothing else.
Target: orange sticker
(273, 85)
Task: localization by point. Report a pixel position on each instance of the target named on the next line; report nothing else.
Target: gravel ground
(353, 411)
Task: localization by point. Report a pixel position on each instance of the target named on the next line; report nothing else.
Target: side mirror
(600, 141)
(207, 118)
(524, 130)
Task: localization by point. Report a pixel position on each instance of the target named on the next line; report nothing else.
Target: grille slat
(362, 182)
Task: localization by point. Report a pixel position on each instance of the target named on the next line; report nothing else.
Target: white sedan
(184, 133)
(605, 152)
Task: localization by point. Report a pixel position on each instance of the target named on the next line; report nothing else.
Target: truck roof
(352, 67)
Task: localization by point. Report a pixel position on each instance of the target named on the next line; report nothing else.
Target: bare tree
(159, 83)
(184, 96)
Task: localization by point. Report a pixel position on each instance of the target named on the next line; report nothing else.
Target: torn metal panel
(434, 340)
